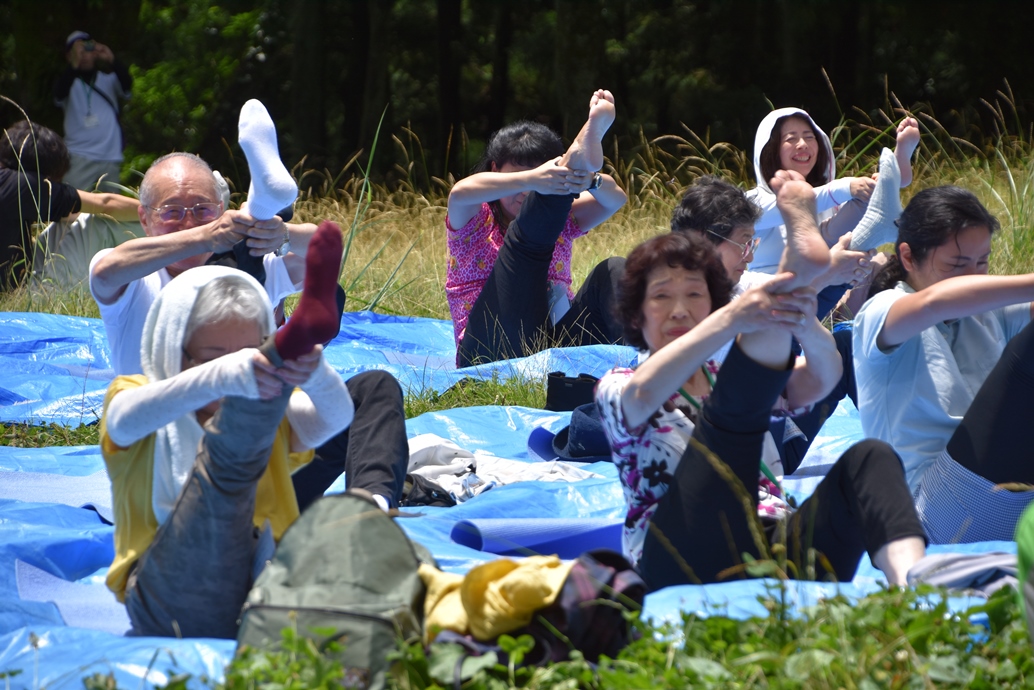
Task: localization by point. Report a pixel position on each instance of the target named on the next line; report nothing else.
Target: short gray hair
(229, 297)
(147, 186)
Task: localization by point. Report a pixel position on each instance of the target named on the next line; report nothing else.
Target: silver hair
(147, 186)
(228, 297)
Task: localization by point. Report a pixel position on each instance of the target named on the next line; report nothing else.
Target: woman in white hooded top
(788, 139)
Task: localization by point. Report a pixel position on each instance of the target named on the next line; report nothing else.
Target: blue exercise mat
(565, 537)
(81, 605)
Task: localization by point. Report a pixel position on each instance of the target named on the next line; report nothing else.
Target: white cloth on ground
(464, 474)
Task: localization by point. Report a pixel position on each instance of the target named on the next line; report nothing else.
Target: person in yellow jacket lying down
(200, 448)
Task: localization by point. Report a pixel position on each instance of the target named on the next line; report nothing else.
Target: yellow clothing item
(494, 598)
(132, 476)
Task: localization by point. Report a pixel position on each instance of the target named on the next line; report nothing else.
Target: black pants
(792, 452)
(372, 452)
(993, 439)
(510, 317)
(703, 524)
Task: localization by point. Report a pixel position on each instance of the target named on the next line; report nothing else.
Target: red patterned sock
(315, 320)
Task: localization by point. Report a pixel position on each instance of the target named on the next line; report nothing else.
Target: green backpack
(343, 568)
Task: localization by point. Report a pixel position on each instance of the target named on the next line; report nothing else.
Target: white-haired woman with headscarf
(200, 448)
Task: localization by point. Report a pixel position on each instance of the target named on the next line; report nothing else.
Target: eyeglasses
(173, 213)
(745, 248)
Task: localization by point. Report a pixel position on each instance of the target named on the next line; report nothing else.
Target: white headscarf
(764, 133)
(161, 356)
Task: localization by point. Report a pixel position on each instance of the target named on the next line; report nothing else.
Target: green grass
(891, 639)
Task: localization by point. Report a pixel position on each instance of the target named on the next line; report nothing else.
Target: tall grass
(397, 246)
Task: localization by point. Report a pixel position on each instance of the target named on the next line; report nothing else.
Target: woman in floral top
(511, 226)
(687, 442)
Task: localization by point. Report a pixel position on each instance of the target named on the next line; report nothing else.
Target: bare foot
(806, 254)
(586, 151)
(908, 140)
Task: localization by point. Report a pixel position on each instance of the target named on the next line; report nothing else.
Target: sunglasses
(746, 249)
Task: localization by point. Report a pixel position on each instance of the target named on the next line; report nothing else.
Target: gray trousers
(193, 579)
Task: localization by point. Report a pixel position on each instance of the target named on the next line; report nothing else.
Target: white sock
(272, 187)
(877, 225)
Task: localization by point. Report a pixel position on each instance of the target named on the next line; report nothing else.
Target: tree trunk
(309, 84)
(449, 47)
(377, 91)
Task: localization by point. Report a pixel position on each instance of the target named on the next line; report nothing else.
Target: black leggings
(510, 317)
(792, 452)
(993, 440)
(702, 526)
(372, 452)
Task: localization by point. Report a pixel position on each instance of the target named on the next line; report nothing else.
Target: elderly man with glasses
(185, 224)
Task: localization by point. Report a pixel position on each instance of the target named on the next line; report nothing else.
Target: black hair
(35, 149)
(769, 158)
(932, 217)
(687, 250)
(523, 143)
(712, 204)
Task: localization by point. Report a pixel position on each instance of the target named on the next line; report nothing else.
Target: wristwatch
(286, 245)
(597, 180)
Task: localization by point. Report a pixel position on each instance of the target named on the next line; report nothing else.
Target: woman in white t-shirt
(944, 361)
(690, 440)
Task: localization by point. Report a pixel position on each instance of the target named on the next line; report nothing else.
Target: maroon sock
(315, 320)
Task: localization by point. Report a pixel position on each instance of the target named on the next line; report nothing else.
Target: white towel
(161, 356)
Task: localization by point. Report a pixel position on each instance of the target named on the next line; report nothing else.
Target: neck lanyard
(89, 96)
(695, 403)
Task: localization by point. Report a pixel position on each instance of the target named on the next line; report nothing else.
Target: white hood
(161, 357)
(765, 132)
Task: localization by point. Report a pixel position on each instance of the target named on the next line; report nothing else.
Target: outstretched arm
(815, 374)
(468, 194)
(952, 298)
(117, 206)
(136, 413)
(660, 376)
(321, 409)
(140, 257)
(592, 207)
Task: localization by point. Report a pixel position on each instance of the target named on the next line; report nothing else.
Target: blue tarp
(55, 543)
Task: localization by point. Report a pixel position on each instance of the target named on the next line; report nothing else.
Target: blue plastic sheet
(58, 367)
(56, 554)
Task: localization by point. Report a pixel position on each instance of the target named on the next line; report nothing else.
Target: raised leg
(272, 187)
(510, 313)
(591, 320)
(195, 576)
(993, 439)
(703, 523)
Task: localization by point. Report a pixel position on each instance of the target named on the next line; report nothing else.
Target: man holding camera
(89, 90)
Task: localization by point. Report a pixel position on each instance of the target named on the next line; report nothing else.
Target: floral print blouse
(646, 456)
(472, 253)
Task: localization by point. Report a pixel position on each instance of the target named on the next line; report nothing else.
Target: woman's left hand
(296, 372)
(579, 181)
(861, 187)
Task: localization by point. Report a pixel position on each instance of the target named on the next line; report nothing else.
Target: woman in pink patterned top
(511, 227)
(690, 440)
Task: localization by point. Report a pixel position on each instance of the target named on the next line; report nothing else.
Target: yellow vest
(132, 477)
